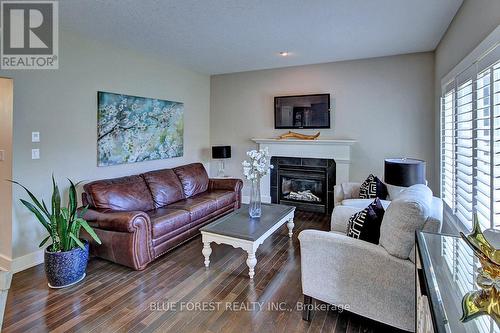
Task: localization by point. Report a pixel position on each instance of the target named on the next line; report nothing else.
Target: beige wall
(386, 104)
(475, 20)
(62, 105)
(6, 95)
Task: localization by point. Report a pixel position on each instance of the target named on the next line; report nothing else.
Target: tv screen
(304, 111)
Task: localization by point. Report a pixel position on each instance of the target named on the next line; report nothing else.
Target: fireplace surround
(306, 183)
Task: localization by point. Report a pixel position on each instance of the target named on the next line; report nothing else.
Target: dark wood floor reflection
(115, 298)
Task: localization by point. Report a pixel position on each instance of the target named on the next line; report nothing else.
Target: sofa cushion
(407, 213)
(372, 188)
(120, 194)
(198, 206)
(167, 220)
(222, 197)
(193, 177)
(165, 187)
(362, 203)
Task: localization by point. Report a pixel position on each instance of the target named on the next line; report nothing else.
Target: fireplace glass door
(303, 188)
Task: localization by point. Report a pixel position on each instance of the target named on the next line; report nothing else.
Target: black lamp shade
(404, 171)
(219, 152)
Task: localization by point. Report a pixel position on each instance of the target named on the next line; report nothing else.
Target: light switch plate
(35, 136)
(2, 155)
(35, 154)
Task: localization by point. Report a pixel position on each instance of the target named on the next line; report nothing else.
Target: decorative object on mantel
(294, 135)
(486, 300)
(220, 153)
(135, 129)
(257, 167)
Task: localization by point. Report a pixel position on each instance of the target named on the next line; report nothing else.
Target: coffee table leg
(251, 262)
(207, 250)
(290, 226)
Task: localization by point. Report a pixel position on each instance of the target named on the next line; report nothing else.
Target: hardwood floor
(113, 298)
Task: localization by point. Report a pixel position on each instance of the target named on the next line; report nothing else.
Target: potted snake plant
(67, 255)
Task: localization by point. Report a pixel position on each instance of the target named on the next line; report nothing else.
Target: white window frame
(489, 43)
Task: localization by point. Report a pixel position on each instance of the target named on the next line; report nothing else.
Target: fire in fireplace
(306, 183)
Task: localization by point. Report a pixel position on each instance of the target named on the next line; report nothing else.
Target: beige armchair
(376, 281)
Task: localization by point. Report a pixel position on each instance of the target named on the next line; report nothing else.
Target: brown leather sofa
(139, 218)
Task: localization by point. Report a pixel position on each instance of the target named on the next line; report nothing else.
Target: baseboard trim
(246, 199)
(27, 261)
(5, 263)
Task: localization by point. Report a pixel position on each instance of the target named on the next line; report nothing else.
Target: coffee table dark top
(239, 224)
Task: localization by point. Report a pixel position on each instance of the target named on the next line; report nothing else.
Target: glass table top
(450, 269)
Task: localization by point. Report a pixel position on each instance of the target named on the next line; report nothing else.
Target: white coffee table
(239, 230)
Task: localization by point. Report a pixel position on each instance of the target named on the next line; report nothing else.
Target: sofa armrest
(344, 191)
(125, 236)
(345, 271)
(230, 184)
(117, 221)
(340, 217)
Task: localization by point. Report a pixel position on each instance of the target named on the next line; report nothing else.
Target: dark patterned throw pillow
(377, 207)
(372, 187)
(365, 225)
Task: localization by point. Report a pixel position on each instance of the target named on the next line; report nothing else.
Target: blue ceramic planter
(64, 269)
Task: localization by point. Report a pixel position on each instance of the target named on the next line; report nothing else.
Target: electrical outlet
(35, 136)
(35, 154)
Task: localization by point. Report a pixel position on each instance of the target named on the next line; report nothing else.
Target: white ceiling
(223, 36)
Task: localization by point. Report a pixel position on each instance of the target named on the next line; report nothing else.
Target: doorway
(6, 120)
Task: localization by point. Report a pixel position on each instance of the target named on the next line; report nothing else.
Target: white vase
(255, 206)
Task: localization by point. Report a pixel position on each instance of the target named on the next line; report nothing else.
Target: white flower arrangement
(259, 164)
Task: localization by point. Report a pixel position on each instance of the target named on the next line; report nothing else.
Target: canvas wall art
(134, 129)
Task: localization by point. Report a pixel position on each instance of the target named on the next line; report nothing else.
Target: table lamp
(220, 153)
(404, 172)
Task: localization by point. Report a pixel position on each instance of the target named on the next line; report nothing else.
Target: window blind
(470, 142)
(470, 157)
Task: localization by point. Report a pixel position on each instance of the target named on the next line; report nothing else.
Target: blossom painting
(134, 129)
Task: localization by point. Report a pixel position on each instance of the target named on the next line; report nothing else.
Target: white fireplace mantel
(339, 150)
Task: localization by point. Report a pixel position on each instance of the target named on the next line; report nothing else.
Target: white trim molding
(330, 142)
(478, 53)
(27, 261)
(337, 149)
(5, 263)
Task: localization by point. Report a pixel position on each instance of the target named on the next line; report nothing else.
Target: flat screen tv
(302, 111)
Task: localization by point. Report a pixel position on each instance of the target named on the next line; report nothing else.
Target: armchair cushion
(345, 191)
(407, 213)
(340, 218)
